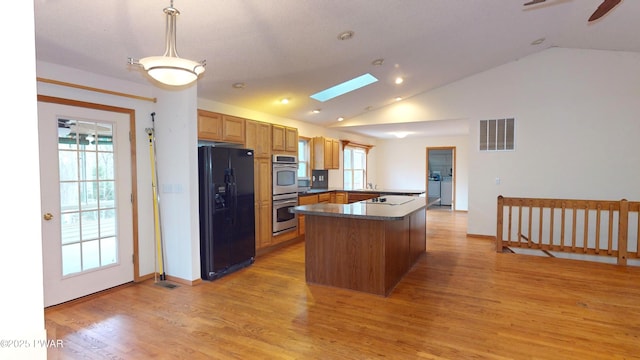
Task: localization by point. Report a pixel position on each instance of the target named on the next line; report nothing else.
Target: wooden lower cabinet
(305, 200)
(360, 196)
(263, 225)
(338, 197)
(262, 202)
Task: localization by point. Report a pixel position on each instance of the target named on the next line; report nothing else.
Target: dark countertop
(395, 208)
(376, 191)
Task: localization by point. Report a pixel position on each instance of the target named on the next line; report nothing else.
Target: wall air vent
(497, 134)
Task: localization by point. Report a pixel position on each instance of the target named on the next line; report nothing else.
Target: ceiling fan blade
(604, 8)
(533, 2)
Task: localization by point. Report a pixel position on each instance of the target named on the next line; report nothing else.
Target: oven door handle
(285, 202)
(287, 166)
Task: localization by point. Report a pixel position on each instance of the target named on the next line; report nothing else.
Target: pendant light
(169, 68)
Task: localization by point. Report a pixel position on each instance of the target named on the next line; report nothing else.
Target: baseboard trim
(184, 281)
(480, 236)
(88, 297)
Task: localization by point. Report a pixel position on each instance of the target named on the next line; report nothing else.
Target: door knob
(48, 216)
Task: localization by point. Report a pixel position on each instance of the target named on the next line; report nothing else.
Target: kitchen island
(364, 246)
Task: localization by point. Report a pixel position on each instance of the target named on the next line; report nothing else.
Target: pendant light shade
(169, 68)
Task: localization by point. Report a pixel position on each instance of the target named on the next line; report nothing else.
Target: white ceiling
(289, 48)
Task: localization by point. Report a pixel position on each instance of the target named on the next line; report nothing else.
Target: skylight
(345, 87)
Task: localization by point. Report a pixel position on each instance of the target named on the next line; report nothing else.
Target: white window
(303, 158)
(497, 135)
(355, 168)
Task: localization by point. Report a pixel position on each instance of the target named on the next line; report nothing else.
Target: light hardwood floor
(460, 301)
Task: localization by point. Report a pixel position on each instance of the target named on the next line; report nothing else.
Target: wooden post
(623, 231)
(500, 227)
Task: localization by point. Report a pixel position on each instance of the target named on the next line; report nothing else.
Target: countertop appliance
(285, 193)
(227, 218)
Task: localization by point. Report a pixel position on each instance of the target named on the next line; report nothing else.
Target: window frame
(352, 148)
(307, 161)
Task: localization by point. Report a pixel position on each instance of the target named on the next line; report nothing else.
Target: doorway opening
(441, 177)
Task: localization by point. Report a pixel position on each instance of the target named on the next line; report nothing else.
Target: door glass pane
(68, 165)
(71, 259)
(70, 229)
(90, 254)
(108, 251)
(107, 223)
(87, 195)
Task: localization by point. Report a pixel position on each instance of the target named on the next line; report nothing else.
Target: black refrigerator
(227, 218)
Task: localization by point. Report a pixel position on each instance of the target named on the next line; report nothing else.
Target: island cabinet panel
(363, 255)
(345, 253)
(418, 236)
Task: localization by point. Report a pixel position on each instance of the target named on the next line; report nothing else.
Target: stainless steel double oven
(285, 193)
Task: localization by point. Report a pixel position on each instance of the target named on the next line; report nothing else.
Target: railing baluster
(510, 227)
(520, 223)
(573, 228)
(598, 209)
(623, 231)
(610, 244)
(562, 225)
(530, 222)
(586, 228)
(499, 228)
(541, 207)
(623, 235)
(551, 226)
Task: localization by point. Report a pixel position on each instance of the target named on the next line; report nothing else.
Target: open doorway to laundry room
(441, 174)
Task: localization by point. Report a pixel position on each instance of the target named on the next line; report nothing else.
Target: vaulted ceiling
(291, 48)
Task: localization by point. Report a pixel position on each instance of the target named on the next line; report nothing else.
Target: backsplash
(319, 179)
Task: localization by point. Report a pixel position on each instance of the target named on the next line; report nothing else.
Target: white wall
(402, 164)
(177, 156)
(577, 128)
(143, 109)
(577, 125)
(21, 303)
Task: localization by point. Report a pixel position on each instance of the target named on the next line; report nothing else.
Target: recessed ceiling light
(377, 62)
(401, 134)
(538, 41)
(239, 85)
(398, 98)
(399, 80)
(315, 111)
(345, 87)
(346, 35)
(284, 101)
(340, 118)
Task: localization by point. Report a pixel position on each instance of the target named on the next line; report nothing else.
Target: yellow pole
(156, 209)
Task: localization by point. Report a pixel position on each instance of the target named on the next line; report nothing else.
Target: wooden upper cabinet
(258, 138)
(326, 153)
(209, 125)
(217, 127)
(284, 139)
(277, 138)
(233, 129)
(335, 153)
(291, 140)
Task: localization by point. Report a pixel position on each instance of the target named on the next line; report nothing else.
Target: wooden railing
(590, 227)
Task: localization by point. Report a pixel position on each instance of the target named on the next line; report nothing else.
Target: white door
(87, 225)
